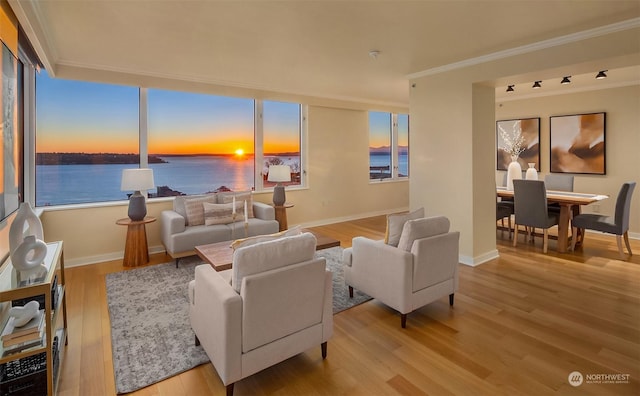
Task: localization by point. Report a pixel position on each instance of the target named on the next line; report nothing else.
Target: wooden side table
(136, 251)
(281, 215)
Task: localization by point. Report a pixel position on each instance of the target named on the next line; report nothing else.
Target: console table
(136, 250)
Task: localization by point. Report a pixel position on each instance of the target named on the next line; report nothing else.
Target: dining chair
(530, 209)
(503, 210)
(617, 224)
(558, 182)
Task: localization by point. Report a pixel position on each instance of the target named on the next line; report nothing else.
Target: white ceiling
(317, 48)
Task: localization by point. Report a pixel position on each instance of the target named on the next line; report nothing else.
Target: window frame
(394, 150)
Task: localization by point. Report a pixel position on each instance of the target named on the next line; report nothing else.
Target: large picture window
(86, 134)
(388, 146)
(200, 143)
(281, 139)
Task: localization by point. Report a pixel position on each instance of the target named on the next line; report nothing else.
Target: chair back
(530, 203)
(623, 206)
(558, 182)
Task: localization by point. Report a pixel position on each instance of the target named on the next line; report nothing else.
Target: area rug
(150, 333)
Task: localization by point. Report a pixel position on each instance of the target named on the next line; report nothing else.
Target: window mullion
(258, 146)
(394, 146)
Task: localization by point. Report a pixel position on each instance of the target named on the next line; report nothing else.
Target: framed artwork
(577, 143)
(507, 130)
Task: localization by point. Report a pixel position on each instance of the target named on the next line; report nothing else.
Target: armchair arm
(264, 211)
(216, 319)
(172, 222)
(382, 271)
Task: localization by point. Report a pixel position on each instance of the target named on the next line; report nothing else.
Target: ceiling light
(565, 80)
(510, 88)
(601, 75)
(537, 84)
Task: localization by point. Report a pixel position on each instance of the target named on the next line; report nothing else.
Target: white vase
(514, 172)
(532, 173)
(25, 223)
(29, 255)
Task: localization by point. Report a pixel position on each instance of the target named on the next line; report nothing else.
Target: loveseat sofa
(208, 218)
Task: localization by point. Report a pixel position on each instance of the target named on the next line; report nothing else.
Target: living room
(461, 99)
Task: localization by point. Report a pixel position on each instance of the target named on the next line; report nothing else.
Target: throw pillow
(422, 228)
(244, 242)
(219, 213)
(240, 198)
(194, 209)
(396, 221)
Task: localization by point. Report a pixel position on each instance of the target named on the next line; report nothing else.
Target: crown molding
(540, 45)
(27, 11)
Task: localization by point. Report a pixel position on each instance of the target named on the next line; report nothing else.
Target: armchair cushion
(422, 228)
(396, 221)
(273, 254)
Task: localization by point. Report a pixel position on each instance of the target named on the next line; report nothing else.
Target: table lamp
(278, 174)
(137, 180)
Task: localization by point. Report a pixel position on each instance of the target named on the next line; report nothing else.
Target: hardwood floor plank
(521, 323)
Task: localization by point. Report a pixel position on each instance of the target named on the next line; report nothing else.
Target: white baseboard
(483, 258)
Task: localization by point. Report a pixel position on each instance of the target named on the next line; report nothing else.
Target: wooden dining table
(570, 205)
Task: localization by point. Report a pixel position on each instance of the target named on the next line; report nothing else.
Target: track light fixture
(565, 80)
(510, 88)
(537, 84)
(601, 75)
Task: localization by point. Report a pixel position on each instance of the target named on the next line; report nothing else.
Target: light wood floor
(520, 325)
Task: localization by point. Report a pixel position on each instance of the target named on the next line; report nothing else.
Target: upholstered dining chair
(617, 224)
(558, 182)
(530, 209)
(504, 210)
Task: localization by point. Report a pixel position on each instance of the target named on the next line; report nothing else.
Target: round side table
(136, 251)
(281, 215)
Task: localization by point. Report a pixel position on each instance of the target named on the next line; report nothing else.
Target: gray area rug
(150, 333)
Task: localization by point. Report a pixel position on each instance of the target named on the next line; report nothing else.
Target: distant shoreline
(119, 159)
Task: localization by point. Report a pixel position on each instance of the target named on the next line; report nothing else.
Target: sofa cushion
(238, 243)
(396, 221)
(422, 228)
(265, 256)
(241, 196)
(194, 211)
(219, 213)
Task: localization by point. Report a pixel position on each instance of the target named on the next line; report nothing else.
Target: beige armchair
(275, 302)
(422, 269)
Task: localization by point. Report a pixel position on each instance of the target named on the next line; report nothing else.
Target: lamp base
(137, 207)
(278, 195)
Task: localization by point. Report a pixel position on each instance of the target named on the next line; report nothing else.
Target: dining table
(570, 205)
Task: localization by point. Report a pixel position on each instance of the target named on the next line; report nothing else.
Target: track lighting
(537, 84)
(601, 75)
(510, 88)
(565, 80)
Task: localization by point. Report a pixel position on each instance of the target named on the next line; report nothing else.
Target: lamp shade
(279, 173)
(137, 179)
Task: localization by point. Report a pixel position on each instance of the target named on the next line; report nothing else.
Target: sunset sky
(380, 129)
(87, 117)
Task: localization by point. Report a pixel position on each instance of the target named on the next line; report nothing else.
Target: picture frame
(577, 143)
(530, 130)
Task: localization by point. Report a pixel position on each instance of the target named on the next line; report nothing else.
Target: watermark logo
(575, 378)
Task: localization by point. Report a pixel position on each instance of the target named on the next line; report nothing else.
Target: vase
(532, 173)
(514, 172)
(25, 223)
(29, 255)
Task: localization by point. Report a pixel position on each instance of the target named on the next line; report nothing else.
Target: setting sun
(239, 152)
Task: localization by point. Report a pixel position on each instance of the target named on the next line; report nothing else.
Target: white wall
(338, 189)
(622, 106)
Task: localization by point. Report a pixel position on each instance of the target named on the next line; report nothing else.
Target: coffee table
(220, 255)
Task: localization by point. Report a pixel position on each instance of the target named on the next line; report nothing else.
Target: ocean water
(70, 184)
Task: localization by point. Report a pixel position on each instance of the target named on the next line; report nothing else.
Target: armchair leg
(350, 292)
(197, 341)
(323, 346)
(230, 390)
(451, 299)
(403, 320)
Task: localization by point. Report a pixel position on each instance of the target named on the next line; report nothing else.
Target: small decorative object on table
(532, 173)
(514, 146)
(27, 250)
